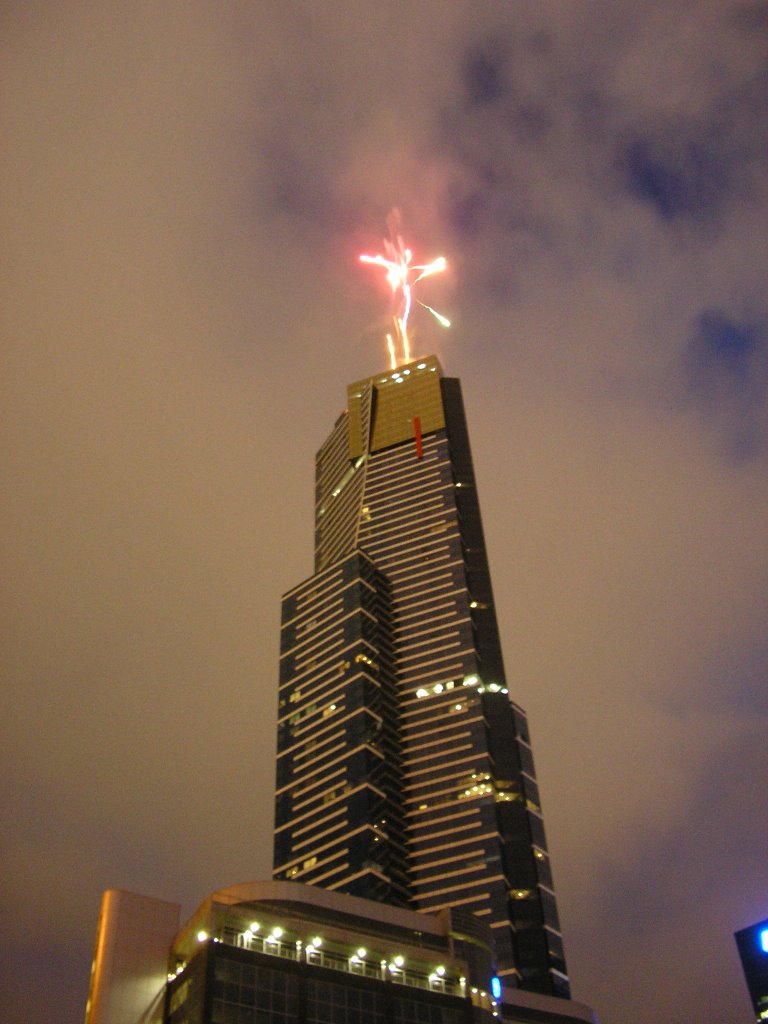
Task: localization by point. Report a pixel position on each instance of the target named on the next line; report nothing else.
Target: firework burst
(403, 275)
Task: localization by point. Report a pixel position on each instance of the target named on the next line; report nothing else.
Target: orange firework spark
(402, 275)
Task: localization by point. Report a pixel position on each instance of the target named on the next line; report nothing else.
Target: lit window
(764, 940)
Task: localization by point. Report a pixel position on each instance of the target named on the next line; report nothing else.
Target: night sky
(185, 189)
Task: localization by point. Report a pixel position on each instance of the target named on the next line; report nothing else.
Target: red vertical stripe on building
(417, 435)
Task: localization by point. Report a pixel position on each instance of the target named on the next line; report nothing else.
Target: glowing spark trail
(402, 275)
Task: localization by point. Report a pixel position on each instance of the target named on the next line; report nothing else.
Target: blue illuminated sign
(764, 940)
(496, 984)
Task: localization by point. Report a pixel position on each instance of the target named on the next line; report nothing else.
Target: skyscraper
(404, 771)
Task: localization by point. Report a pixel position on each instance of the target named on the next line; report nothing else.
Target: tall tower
(404, 771)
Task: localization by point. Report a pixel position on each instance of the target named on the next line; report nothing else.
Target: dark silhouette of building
(404, 771)
(752, 943)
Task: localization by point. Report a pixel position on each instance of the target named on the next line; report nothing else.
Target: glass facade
(223, 984)
(247, 993)
(404, 771)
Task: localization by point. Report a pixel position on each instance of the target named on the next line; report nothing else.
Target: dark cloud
(484, 76)
(689, 169)
(725, 346)
(727, 365)
(678, 177)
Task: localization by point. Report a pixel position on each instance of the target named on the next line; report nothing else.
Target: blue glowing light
(764, 940)
(496, 984)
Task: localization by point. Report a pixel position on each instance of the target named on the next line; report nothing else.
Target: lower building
(286, 953)
(752, 943)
